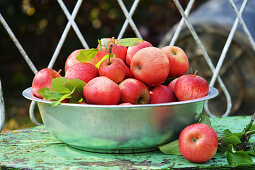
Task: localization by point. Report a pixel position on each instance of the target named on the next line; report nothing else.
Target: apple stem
(113, 40)
(195, 74)
(110, 52)
(58, 72)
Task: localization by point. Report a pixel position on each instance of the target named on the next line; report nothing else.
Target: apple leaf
(105, 57)
(231, 139)
(105, 42)
(85, 55)
(76, 84)
(171, 148)
(58, 84)
(252, 127)
(129, 41)
(204, 118)
(64, 89)
(227, 132)
(236, 158)
(49, 94)
(65, 96)
(99, 45)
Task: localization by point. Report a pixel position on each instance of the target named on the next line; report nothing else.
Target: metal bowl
(118, 128)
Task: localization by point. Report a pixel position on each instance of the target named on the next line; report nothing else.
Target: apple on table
(198, 142)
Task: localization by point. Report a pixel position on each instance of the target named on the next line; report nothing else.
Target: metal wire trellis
(129, 20)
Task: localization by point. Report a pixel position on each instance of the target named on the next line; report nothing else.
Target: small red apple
(162, 94)
(190, 86)
(71, 59)
(102, 91)
(198, 142)
(113, 68)
(82, 71)
(150, 65)
(133, 49)
(178, 61)
(43, 79)
(171, 85)
(134, 91)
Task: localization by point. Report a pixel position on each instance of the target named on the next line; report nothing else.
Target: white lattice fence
(128, 14)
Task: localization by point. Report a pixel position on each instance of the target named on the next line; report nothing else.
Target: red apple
(171, 85)
(134, 91)
(102, 90)
(190, 86)
(43, 79)
(133, 49)
(162, 94)
(128, 72)
(198, 142)
(113, 68)
(71, 59)
(150, 65)
(178, 61)
(119, 51)
(82, 71)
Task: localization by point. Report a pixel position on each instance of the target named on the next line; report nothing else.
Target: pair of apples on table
(127, 74)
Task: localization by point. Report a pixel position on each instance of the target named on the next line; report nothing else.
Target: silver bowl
(118, 128)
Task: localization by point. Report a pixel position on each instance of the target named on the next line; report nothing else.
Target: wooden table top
(36, 148)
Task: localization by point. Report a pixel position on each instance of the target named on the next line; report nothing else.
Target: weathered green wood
(36, 148)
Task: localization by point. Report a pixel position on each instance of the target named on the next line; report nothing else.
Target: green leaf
(65, 96)
(230, 148)
(99, 45)
(85, 55)
(252, 127)
(49, 94)
(238, 158)
(105, 57)
(76, 98)
(129, 41)
(231, 139)
(76, 84)
(252, 153)
(171, 148)
(204, 118)
(58, 84)
(227, 132)
(105, 42)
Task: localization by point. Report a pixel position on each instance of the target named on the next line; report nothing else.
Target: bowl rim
(212, 93)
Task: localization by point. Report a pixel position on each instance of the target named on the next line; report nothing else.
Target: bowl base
(115, 150)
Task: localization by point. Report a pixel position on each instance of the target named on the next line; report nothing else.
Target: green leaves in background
(129, 41)
(64, 89)
(85, 55)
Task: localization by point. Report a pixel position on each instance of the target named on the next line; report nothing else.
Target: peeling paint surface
(36, 148)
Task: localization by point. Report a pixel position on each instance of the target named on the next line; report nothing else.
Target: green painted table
(36, 148)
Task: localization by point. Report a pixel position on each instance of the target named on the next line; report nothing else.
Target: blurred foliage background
(38, 25)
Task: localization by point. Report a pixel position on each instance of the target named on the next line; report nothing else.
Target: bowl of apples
(125, 96)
